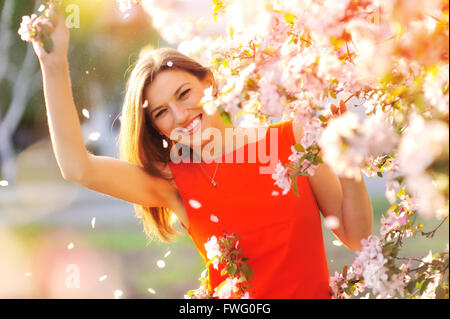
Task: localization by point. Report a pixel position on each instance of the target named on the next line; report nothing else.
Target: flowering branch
(225, 251)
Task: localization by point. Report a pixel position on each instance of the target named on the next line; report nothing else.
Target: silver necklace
(212, 179)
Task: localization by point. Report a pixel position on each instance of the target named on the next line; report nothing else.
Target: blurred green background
(46, 223)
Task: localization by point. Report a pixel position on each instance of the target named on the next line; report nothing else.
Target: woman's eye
(184, 93)
(160, 113)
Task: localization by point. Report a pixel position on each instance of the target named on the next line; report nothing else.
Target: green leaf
(47, 44)
(231, 269)
(310, 157)
(344, 271)
(323, 118)
(299, 148)
(424, 285)
(411, 285)
(246, 270)
(225, 116)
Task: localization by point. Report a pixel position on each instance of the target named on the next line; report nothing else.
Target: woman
(281, 235)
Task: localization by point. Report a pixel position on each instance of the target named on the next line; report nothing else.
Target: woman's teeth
(191, 126)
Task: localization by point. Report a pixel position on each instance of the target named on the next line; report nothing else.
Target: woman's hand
(60, 37)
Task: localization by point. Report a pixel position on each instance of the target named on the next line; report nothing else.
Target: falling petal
(126, 16)
(102, 278)
(3, 183)
(165, 144)
(150, 290)
(214, 218)
(41, 8)
(161, 263)
(94, 136)
(118, 293)
(337, 243)
(87, 72)
(170, 64)
(194, 204)
(167, 254)
(93, 222)
(331, 222)
(85, 113)
(275, 193)
(28, 274)
(145, 105)
(70, 246)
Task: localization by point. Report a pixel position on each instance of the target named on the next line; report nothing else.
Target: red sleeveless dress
(281, 235)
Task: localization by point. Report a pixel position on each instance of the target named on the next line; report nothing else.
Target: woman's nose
(180, 113)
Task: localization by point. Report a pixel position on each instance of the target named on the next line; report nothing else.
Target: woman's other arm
(346, 199)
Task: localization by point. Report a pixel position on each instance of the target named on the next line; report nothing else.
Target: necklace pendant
(213, 182)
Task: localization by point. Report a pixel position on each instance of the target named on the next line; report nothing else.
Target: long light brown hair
(140, 142)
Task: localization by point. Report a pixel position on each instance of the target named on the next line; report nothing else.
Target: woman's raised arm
(107, 175)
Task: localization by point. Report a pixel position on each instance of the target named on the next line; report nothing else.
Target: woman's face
(174, 106)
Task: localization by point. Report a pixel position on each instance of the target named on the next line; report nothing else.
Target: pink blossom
(281, 179)
(224, 290)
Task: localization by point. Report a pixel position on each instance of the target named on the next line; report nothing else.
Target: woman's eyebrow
(175, 94)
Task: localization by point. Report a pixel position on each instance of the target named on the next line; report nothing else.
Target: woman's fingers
(40, 52)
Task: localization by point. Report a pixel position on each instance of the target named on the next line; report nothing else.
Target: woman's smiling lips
(192, 126)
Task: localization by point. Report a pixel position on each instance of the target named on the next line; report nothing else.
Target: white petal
(331, 222)
(118, 293)
(28, 274)
(102, 278)
(3, 183)
(145, 105)
(275, 193)
(70, 246)
(85, 113)
(165, 144)
(194, 204)
(93, 222)
(170, 64)
(167, 254)
(161, 263)
(337, 243)
(214, 218)
(94, 136)
(150, 290)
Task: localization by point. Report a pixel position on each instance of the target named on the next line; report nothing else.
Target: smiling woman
(163, 108)
(163, 100)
